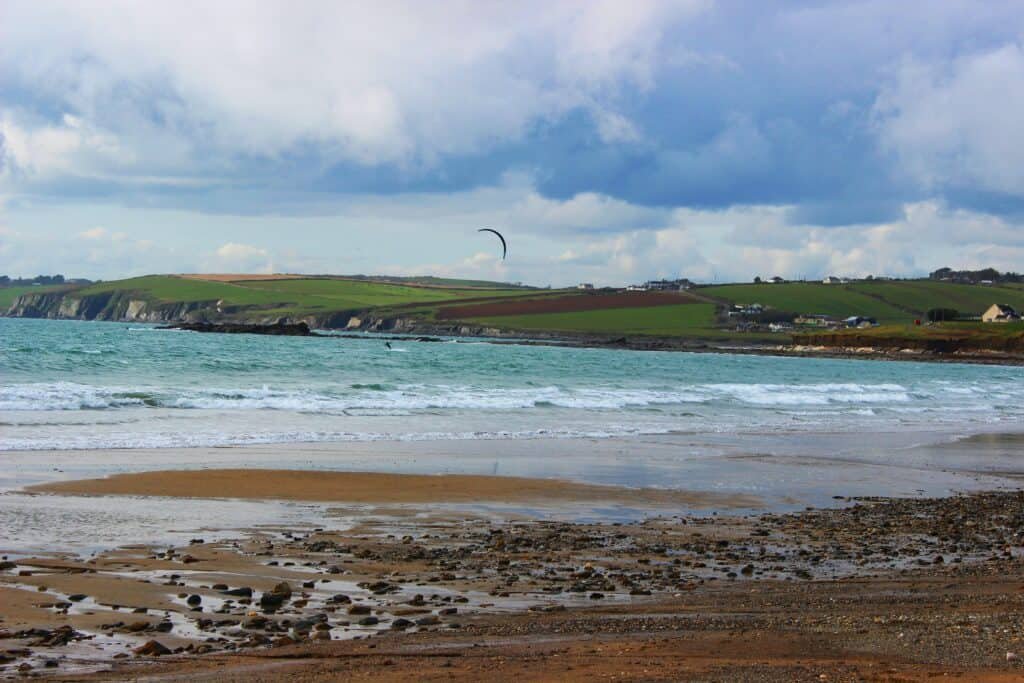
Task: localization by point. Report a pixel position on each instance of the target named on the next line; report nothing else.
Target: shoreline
(462, 333)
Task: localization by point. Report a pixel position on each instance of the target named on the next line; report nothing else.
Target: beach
(421, 577)
(226, 509)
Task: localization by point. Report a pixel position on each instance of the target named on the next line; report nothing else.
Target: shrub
(940, 314)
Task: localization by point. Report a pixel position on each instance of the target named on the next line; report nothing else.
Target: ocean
(91, 385)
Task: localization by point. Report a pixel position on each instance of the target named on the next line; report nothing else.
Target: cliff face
(128, 307)
(106, 306)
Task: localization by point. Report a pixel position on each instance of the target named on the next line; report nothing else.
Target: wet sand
(378, 488)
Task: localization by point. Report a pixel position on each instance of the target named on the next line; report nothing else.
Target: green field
(365, 294)
(808, 298)
(917, 296)
(675, 320)
(171, 289)
(887, 301)
(9, 294)
(284, 297)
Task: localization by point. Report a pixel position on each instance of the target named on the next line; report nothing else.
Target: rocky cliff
(107, 306)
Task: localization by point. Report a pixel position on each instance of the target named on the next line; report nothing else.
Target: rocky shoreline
(434, 577)
(278, 329)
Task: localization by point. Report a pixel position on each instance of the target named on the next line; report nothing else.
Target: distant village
(754, 316)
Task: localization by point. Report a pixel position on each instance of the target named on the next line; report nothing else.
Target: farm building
(999, 313)
(859, 321)
(668, 285)
(815, 320)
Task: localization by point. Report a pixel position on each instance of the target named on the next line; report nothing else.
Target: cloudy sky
(610, 141)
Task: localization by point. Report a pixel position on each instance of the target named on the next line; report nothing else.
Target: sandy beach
(380, 488)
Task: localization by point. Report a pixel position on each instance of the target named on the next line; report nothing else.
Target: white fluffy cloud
(958, 123)
(234, 257)
(367, 82)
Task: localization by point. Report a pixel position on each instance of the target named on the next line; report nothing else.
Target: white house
(584, 285)
(999, 313)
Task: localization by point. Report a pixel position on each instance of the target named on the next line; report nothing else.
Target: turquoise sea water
(70, 384)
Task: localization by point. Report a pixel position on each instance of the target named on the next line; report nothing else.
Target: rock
(62, 635)
(271, 601)
(369, 621)
(359, 609)
(255, 623)
(6, 565)
(137, 626)
(77, 597)
(243, 592)
(194, 600)
(152, 649)
(281, 328)
(339, 599)
(429, 620)
(401, 624)
(164, 627)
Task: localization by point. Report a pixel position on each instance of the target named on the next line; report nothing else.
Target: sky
(611, 142)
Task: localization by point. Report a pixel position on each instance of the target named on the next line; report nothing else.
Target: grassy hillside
(168, 288)
(889, 302)
(690, 319)
(287, 297)
(692, 314)
(360, 293)
(918, 296)
(808, 297)
(9, 294)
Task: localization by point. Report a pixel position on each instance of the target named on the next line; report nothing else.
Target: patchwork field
(287, 295)
(691, 319)
(569, 303)
(697, 313)
(888, 301)
(810, 298)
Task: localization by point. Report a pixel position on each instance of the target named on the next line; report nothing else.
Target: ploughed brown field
(566, 304)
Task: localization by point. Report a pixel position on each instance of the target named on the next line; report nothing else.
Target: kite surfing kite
(504, 247)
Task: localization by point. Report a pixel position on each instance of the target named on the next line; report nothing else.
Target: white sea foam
(73, 396)
(211, 439)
